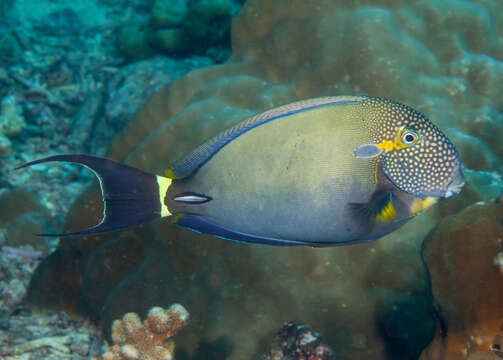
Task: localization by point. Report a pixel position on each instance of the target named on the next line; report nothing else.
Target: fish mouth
(453, 187)
(456, 184)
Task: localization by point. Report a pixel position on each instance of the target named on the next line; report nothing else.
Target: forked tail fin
(130, 196)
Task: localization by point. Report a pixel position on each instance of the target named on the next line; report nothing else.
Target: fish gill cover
(376, 300)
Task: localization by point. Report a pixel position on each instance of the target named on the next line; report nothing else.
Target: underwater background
(143, 82)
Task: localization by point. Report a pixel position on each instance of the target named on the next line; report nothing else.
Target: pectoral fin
(378, 209)
(368, 151)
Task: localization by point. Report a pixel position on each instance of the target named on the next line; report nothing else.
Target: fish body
(290, 178)
(319, 172)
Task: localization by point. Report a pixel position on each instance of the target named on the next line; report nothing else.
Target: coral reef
(9, 46)
(44, 90)
(443, 58)
(150, 340)
(5, 6)
(129, 89)
(180, 27)
(497, 344)
(265, 285)
(16, 268)
(24, 334)
(52, 336)
(61, 95)
(61, 83)
(24, 218)
(11, 123)
(464, 257)
(297, 341)
(11, 117)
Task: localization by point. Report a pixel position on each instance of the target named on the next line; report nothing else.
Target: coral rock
(5, 146)
(148, 340)
(465, 259)
(179, 27)
(167, 13)
(297, 341)
(11, 117)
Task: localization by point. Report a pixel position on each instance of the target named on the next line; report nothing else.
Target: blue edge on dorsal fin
(188, 164)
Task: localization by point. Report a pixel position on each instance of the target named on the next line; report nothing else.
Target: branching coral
(149, 340)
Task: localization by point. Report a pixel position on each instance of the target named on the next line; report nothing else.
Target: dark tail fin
(130, 196)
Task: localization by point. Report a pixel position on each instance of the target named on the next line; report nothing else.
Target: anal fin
(200, 224)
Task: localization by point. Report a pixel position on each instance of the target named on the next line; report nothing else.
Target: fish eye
(408, 137)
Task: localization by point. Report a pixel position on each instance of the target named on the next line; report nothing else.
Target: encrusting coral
(149, 340)
(464, 256)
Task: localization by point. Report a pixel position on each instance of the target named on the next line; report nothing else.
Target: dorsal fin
(188, 164)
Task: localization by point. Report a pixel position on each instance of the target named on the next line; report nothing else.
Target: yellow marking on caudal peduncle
(164, 184)
(387, 214)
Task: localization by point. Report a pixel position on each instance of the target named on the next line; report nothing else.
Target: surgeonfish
(319, 172)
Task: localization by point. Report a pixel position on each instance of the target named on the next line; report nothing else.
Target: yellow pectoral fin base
(419, 205)
(387, 213)
(164, 184)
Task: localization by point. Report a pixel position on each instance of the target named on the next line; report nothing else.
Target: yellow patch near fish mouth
(418, 205)
(387, 213)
